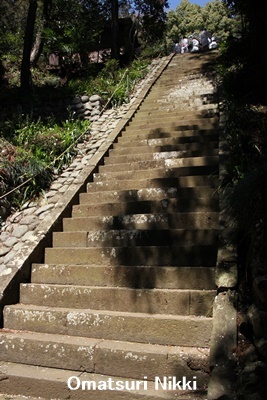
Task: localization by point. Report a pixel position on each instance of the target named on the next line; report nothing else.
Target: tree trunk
(38, 46)
(39, 41)
(25, 74)
(115, 29)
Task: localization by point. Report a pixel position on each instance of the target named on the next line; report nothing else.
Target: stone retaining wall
(85, 107)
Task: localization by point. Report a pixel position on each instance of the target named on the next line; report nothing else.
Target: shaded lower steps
(122, 276)
(191, 254)
(51, 383)
(155, 301)
(162, 329)
(106, 356)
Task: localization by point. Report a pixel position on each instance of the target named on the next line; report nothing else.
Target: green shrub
(38, 149)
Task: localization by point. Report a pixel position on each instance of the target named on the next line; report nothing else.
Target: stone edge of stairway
(18, 271)
(223, 362)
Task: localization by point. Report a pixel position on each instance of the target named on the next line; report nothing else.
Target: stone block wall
(84, 106)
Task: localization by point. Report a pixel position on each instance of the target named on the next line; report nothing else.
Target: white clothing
(195, 45)
(184, 45)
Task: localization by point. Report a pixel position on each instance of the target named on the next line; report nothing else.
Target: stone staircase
(125, 294)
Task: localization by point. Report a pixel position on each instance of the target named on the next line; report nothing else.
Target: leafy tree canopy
(189, 18)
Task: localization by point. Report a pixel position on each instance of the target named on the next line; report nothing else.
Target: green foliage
(35, 150)
(68, 27)
(153, 24)
(36, 146)
(74, 25)
(23, 167)
(113, 79)
(110, 69)
(190, 18)
(158, 49)
(48, 140)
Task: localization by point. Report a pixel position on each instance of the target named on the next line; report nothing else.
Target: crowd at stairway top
(195, 43)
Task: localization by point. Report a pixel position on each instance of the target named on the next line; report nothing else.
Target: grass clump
(34, 153)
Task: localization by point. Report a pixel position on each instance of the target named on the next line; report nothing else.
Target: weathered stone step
(198, 94)
(152, 301)
(137, 147)
(31, 380)
(171, 170)
(146, 194)
(174, 205)
(186, 220)
(161, 160)
(199, 86)
(5, 396)
(117, 238)
(170, 116)
(134, 184)
(158, 112)
(197, 108)
(107, 357)
(172, 330)
(148, 155)
(180, 136)
(204, 95)
(173, 123)
(161, 139)
(122, 276)
(184, 255)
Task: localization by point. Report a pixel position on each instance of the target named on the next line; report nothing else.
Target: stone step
(167, 160)
(147, 194)
(179, 136)
(52, 383)
(135, 184)
(174, 124)
(104, 357)
(173, 330)
(201, 278)
(186, 220)
(150, 301)
(170, 115)
(161, 138)
(149, 156)
(172, 119)
(172, 205)
(121, 237)
(5, 396)
(154, 147)
(183, 255)
(197, 106)
(172, 112)
(171, 170)
(200, 91)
